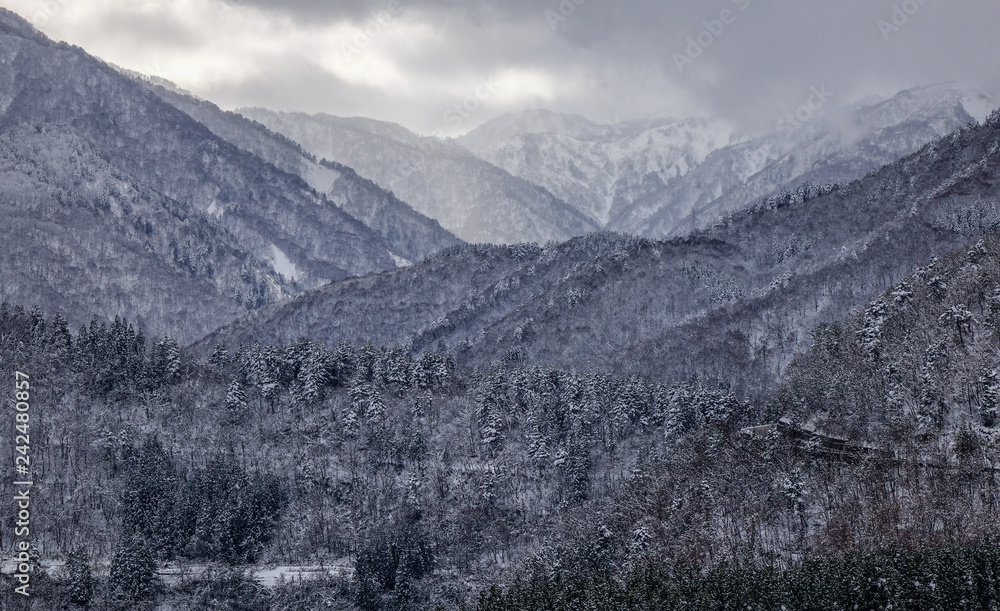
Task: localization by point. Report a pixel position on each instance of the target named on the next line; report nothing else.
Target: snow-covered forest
(266, 360)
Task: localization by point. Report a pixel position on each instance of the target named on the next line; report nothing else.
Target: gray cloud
(601, 58)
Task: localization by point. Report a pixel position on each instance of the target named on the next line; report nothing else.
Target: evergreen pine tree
(236, 402)
(148, 494)
(133, 571)
(990, 402)
(313, 374)
(343, 364)
(538, 448)
(165, 362)
(37, 327)
(220, 358)
(60, 338)
(80, 590)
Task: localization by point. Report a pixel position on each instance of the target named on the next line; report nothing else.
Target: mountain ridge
(751, 287)
(626, 178)
(246, 231)
(468, 196)
(408, 233)
(118, 115)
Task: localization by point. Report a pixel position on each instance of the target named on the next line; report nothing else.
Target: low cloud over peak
(416, 61)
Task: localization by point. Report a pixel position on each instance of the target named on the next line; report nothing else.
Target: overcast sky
(410, 61)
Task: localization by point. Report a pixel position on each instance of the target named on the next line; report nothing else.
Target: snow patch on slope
(400, 261)
(283, 265)
(321, 178)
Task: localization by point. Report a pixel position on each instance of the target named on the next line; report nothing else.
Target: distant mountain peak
(535, 121)
(470, 197)
(664, 177)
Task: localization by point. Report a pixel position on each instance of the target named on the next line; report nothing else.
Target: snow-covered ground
(283, 265)
(176, 573)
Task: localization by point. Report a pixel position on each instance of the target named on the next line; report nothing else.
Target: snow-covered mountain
(667, 177)
(82, 236)
(472, 198)
(151, 214)
(751, 289)
(408, 233)
(597, 169)
(535, 121)
(829, 150)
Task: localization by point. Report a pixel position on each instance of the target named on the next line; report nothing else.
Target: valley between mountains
(549, 364)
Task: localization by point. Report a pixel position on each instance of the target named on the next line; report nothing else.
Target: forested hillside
(80, 133)
(423, 479)
(869, 476)
(751, 288)
(83, 235)
(408, 233)
(877, 489)
(474, 199)
(244, 375)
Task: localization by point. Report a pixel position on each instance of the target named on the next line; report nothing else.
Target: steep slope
(408, 233)
(81, 235)
(473, 199)
(822, 152)
(734, 303)
(598, 169)
(274, 214)
(666, 178)
(386, 308)
(920, 361)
